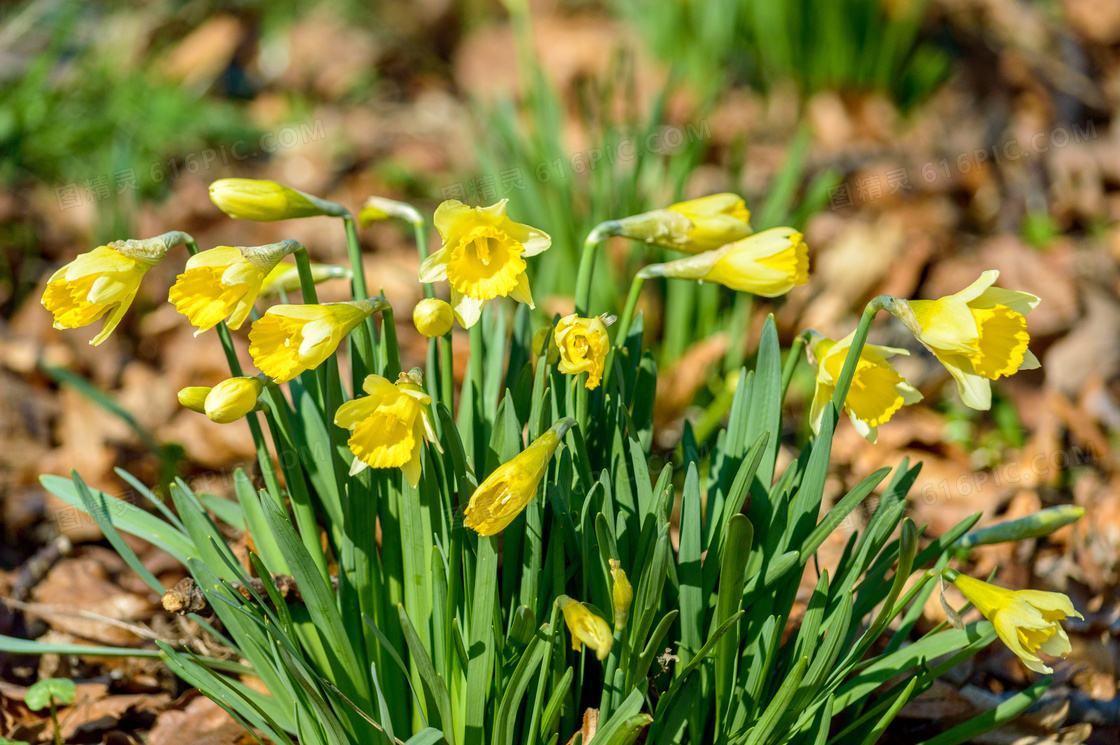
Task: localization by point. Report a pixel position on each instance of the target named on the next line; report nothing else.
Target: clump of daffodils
(457, 537)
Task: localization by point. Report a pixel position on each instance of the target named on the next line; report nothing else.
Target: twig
(39, 565)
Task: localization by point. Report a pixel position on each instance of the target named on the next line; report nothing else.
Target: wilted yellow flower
(104, 280)
(232, 399)
(483, 257)
(194, 398)
(586, 627)
(979, 334)
(223, 283)
(289, 339)
(770, 263)
(693, 226)
(432, 317)
(506, 491)
(583, 345)
(622, 594)
(389, 425)
(266, 201)
(877, 390)
(1026, 620)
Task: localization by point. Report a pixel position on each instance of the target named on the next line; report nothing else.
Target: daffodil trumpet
(876, 392)
(105, 281)
(289, 339)
(770, 263)
(1027, 621)
(504, 493)
(223, 283)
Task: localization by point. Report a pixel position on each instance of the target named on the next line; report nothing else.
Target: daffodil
(622, 594)
(284, 277)
(583, 345)
(692, 226)
(979, 335)
(586, 627)
(506, 491)
(877, 391)
(483, 257)
(1028, 621)
(380, 208)
(104, 280)
(770, 263)
(433, 317)
(232, 399)
(194, 397)
(289, 339)
(389, 425)
(223, 283)
(267, 201)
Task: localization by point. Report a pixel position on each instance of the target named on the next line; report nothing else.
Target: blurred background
(916, 143)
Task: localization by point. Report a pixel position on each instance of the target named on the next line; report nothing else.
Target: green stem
(628, 310)
(447, 371)
(422, 248)
(879, 303)
(478, 407)
(306, 280)
(54, 722)
(362, 361)
(601, 232)
(792, 360)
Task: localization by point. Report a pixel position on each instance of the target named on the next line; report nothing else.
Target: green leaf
(692, 602)
(770, 718)
(516, 685)
(39, 695)
(97, 506)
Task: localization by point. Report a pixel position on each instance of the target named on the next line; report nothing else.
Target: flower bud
(693, 226)
(194, 398)
(622, 595)
(285, 278)
(1040, 524)
(380, 208)
(433, 317)
(267, 201)
(232, 399)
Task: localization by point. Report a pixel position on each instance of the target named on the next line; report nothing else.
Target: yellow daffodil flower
(978, 334)
(876, 392)
(104, 280)
(223, 283)
(1028, 621)
(232, 399)
(622, 594)
(483, 257)
(583, 345)
(692, 226)
(433, 317)
(506, 491)
(267, 201)
(770, 263)
(289, 339)
(586, 627)
(389, 425)
(284, 277)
